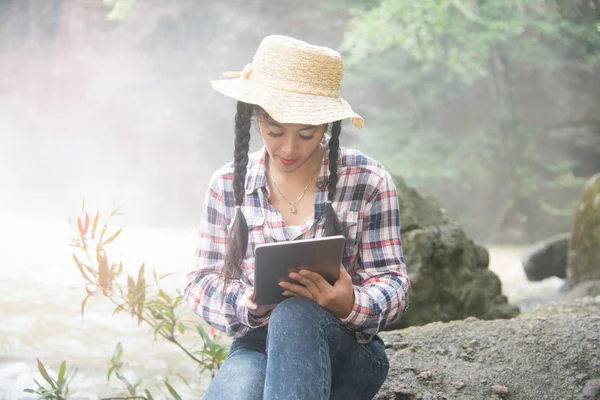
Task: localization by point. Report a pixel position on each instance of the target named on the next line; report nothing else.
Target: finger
(344, 275)
(312, 280)
(298, 290)
(251, 305)
(309, 284)
(343, 270)
(251, 278)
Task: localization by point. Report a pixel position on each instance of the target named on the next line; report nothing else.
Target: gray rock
(583, 263)
(549, 353)
(547, 258)
(449, 274)
(417, 211)
(592, 389)
(583, 289)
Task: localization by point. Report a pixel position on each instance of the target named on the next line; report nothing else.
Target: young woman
(322, 341)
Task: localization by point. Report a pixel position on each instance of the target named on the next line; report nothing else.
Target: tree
(423, 57)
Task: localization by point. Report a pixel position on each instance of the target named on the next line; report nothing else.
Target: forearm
(377, 303)
(223, 309)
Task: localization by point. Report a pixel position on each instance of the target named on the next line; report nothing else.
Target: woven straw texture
(293, 81)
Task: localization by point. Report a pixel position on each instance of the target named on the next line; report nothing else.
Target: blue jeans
(305, 353)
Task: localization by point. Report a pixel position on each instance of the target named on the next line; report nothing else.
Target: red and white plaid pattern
(366, 202)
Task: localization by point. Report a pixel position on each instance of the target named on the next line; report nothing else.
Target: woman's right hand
(253, 308)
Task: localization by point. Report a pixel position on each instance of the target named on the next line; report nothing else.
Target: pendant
(294, 211)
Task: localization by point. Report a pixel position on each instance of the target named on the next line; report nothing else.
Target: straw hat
(293, 81)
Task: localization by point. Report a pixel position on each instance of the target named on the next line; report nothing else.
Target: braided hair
(238, 235)
(332, 224)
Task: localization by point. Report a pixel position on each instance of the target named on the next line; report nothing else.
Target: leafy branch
(143, 300)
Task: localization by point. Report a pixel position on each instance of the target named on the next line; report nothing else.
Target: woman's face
(290, 146)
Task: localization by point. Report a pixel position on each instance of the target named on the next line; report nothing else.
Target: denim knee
(299, 312)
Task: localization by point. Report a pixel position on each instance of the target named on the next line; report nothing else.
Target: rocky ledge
(550, 352)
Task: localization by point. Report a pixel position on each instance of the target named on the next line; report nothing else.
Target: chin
(289, 168)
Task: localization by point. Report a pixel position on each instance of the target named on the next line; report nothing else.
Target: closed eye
(275, 134)
(310, 137)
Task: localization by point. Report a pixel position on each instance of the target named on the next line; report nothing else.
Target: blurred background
(492, 107)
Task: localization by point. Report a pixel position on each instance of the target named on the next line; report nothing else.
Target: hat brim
(288, 107)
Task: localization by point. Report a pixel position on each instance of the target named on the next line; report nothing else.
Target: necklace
(293, 204)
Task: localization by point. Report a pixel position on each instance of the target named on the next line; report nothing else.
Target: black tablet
(274, 261)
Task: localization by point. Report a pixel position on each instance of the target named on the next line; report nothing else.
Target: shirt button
(320, 184)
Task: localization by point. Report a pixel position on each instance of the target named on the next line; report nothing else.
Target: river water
(42, 291)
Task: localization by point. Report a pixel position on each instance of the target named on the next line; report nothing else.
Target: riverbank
(551, 353)
(42, 292)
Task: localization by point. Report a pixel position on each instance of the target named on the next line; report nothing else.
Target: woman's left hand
(337, 298)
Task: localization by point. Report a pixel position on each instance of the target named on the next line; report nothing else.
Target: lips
(286, 162)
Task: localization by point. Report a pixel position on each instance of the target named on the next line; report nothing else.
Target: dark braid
(332, 223)
(238, 236)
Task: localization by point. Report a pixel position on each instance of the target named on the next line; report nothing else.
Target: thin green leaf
(118, 351)
(148, 395)
(119, 308)
(173, 392)
(109, 373)
(183, 379)
(205, 336)
(165, 275)
(164, 296)
(61, 374)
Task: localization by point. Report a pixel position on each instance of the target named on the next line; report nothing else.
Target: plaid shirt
(366, 202)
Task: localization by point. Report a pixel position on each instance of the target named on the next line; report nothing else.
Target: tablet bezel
(274, 261)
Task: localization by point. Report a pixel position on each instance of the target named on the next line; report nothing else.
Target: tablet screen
(274, 261)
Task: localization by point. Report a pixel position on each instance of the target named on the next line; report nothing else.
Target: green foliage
(132, 388)
(59, 387)
(143, 300)
(423, 56)
(456, 38)
(214, 353)
(116, 369)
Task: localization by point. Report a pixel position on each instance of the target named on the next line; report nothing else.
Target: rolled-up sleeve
(222, 309)
(382, 294)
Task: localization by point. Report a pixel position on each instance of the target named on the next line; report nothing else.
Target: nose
(290, 144)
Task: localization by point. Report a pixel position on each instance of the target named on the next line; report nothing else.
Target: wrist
(345, 311)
